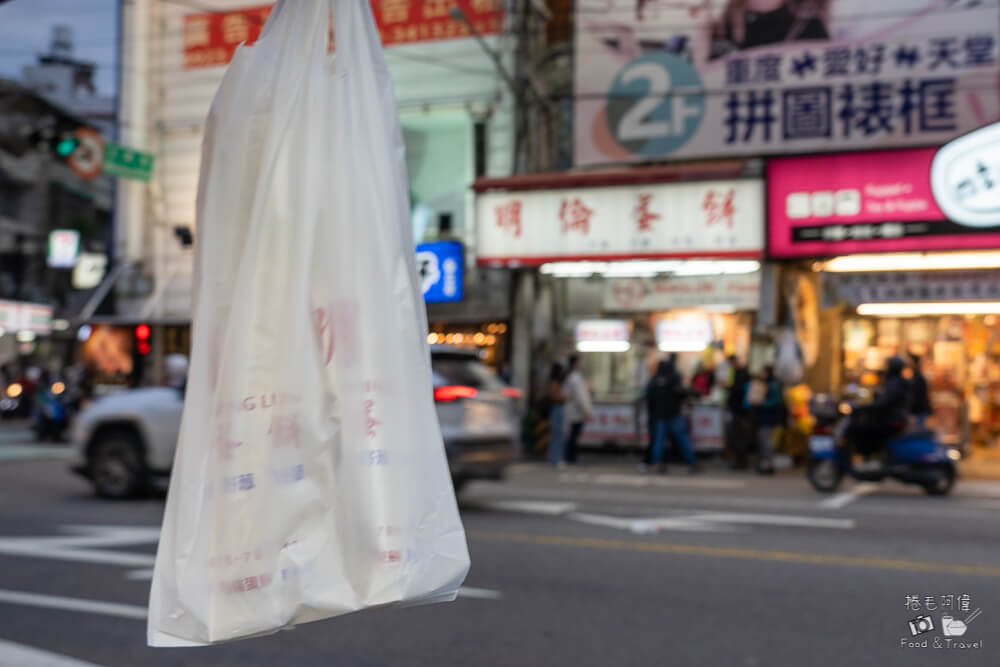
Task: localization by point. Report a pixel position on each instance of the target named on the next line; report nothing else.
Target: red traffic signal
(142, 332)
(143, 347)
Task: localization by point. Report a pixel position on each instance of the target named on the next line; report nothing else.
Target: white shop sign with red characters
(722, 219)
(602, 331)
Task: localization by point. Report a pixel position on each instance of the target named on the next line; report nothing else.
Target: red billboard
(211, 38)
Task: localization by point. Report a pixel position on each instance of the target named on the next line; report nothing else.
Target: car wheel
(116, 466)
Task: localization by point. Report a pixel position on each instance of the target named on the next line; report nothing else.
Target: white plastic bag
(310, 478)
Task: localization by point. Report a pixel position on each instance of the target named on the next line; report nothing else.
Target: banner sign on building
(827, 205)
(911, 286)
(700, 78)
(18, 316)
(737, 292)
(703, 219)
(211, 38)
(63, 249)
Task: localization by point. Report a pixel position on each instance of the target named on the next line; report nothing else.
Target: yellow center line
(743, 554)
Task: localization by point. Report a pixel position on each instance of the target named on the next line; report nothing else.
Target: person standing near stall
(555, 406)
(579, 407)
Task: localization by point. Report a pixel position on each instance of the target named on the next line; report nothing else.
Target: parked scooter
(837, 449)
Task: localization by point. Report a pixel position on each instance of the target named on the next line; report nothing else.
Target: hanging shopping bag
(310, 478)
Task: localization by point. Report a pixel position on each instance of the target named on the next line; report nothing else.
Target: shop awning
(697, 171)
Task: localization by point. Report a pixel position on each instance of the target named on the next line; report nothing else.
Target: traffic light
(65, 146)
(142, 334)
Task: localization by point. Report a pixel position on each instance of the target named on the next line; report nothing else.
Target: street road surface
(594, 566)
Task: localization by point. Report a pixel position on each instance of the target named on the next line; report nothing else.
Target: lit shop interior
(942, 307)
(489, 337)
(623, 317)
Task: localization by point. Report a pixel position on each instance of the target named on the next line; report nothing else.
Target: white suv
(124, 443)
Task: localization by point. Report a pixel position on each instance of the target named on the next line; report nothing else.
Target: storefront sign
(740, 292)
(89, 270)
(965, 177)
(689, 334)
(16, 316)
(707, 428)
(911, 286)
(441, 275)
(658, 80)
(704, 219)
(612, 422)
(827, 205)
(602, 331)
(64, 247)
(211, 38)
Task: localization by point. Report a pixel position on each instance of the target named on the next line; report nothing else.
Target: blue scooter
(912, 458)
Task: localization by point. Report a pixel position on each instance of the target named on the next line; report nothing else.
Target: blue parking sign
(441, 269)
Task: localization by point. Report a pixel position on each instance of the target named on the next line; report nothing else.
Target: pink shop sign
(822, 206)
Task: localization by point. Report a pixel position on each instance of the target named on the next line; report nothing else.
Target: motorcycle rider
(889, 414)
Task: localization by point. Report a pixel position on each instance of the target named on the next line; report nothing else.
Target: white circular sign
(965, 178)
(88, 158)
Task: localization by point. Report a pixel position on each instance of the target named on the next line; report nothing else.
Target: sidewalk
(984, 465)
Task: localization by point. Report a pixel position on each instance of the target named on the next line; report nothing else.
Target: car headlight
(954, 454)
(14, 390)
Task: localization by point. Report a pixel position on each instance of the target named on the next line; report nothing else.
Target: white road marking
(649, 526)
(844, 499)
(479, 593)
(79, 547)
(709, 522)
(978, 488)
(29, 452)
(16, 655)
(775, 520)
(680, 483)
(544, 507)
(140, 575)
(73, 604)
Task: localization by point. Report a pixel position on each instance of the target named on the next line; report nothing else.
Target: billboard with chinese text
(660, 79)
(211, 38)
(879, 201)
(703, 219)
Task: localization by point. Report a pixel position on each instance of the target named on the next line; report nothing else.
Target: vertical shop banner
(879, 201)
(698, 78)
(703, 219)
(211, 38)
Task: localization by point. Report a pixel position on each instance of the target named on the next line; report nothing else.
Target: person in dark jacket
(665, 397)
(894, 401)
(888, 416)
(737, 424)
(920, 399)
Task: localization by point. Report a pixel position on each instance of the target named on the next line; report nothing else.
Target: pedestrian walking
(765, 400)
(579, 407)
(666, 396)
(555, 400)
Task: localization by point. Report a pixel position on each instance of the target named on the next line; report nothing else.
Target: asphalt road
(594, 566)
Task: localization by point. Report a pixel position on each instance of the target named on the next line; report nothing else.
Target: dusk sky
(26, 31)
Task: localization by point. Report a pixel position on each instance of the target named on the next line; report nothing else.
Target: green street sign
(127, 163)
